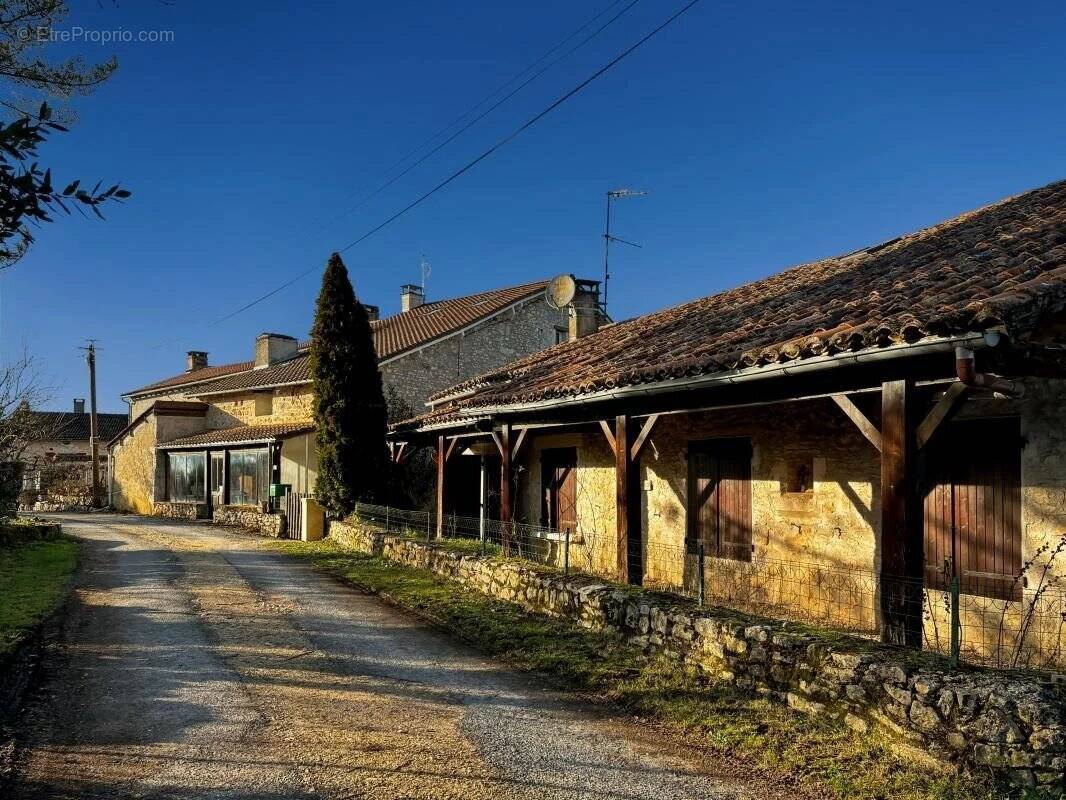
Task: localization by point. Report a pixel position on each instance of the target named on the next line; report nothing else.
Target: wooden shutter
(559, 489)
(720, 497)
(973, 509)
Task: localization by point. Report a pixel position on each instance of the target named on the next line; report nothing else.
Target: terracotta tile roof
(1002, 266)
(68, 426)
(247, 434)
(195, 376)
(401, 332)
(392, 337)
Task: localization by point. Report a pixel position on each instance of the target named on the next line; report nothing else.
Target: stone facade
(1003, 722)
(525, 328)
(815, 555)
(251, 519)
(289, 404)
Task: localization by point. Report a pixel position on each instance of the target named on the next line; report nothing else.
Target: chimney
(373, 312)
(585, 314)
(270, 348)
(411, 297)
(194, 360)
(79, 405)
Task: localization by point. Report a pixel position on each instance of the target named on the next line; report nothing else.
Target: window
(973, 517)
(561, 334)
(264, 405)
(185, 477)
(719, 497)
(799, 476)
(249, 472)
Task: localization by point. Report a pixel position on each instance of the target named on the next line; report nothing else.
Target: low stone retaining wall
(181, 510)
(251, 519)
(28, 530)
(1006, 722)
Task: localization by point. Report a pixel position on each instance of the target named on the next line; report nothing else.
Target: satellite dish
(560, 292)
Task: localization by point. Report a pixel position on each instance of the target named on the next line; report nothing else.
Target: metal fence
(1018, 627)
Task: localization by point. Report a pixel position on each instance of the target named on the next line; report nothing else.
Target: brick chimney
(195, 359)
(411, 297)
(585, 314)
(372, 312)
(270, 348)
(79, 405)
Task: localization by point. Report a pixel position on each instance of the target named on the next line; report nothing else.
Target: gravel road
(196, 663)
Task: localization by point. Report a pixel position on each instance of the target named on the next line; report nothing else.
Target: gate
(294, 514)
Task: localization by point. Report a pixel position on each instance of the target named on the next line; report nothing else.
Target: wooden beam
(400, 452)
(902, 556)
(622, 481)
(519, 441)
(499, 444)
(606, 428)
(504, 443)
(642, 437)
(862, 422)
(441, 459)
(451, 447)
(944, 410)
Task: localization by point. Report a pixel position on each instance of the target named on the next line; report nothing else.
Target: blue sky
(766, 134)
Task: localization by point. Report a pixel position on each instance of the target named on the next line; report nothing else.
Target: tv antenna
(426, 269)
(614, 194)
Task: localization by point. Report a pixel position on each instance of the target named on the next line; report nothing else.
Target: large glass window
(249, 476)
(185, 477)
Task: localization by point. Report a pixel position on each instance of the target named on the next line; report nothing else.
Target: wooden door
(720, 497)
(558, 481)
(973, 509)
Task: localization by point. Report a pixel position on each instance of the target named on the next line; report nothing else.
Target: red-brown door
(558, 473)
(973, 508)
(720, 497)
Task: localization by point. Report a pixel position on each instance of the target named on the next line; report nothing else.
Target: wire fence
(1018, 626)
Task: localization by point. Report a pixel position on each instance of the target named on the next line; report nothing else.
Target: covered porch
(857, 491)
(201, 475)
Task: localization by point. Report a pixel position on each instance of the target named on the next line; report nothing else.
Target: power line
(478, 105)
(362, 201)
(471, 164)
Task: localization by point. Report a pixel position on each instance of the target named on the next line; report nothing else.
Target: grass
(34, 577)
(827, 757)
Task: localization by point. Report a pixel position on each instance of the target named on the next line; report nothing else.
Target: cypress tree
(349, 402)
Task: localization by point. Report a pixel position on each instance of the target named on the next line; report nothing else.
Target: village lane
(195, 662)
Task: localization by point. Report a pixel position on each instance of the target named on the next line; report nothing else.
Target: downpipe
(966, 371)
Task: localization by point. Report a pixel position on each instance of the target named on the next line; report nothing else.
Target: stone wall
(181, 510)
(133, 463)
(527, 328)
(978, 719)
(250, 519)
(288, 404)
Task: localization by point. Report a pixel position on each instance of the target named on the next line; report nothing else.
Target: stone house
(215, 437)
(57, 461)
(834, 443)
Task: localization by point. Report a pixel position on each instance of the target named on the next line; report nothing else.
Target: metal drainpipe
(968, 374)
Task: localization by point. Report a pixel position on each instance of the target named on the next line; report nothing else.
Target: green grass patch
(824, 755)
(33, 582)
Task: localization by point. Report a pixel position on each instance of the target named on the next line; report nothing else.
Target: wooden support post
(630, 562)
(442, 457)
(901, 523)
(225, 476)
(504, 444)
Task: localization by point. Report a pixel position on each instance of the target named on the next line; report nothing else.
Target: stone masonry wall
(181, 510)
(977, 719)
(272, 525)
(508, 336)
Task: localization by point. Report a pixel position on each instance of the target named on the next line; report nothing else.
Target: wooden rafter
(862, 422)
(642, 437)
(944, 409)
(606, 428)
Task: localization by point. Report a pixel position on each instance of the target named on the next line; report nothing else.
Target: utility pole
(94, 430)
